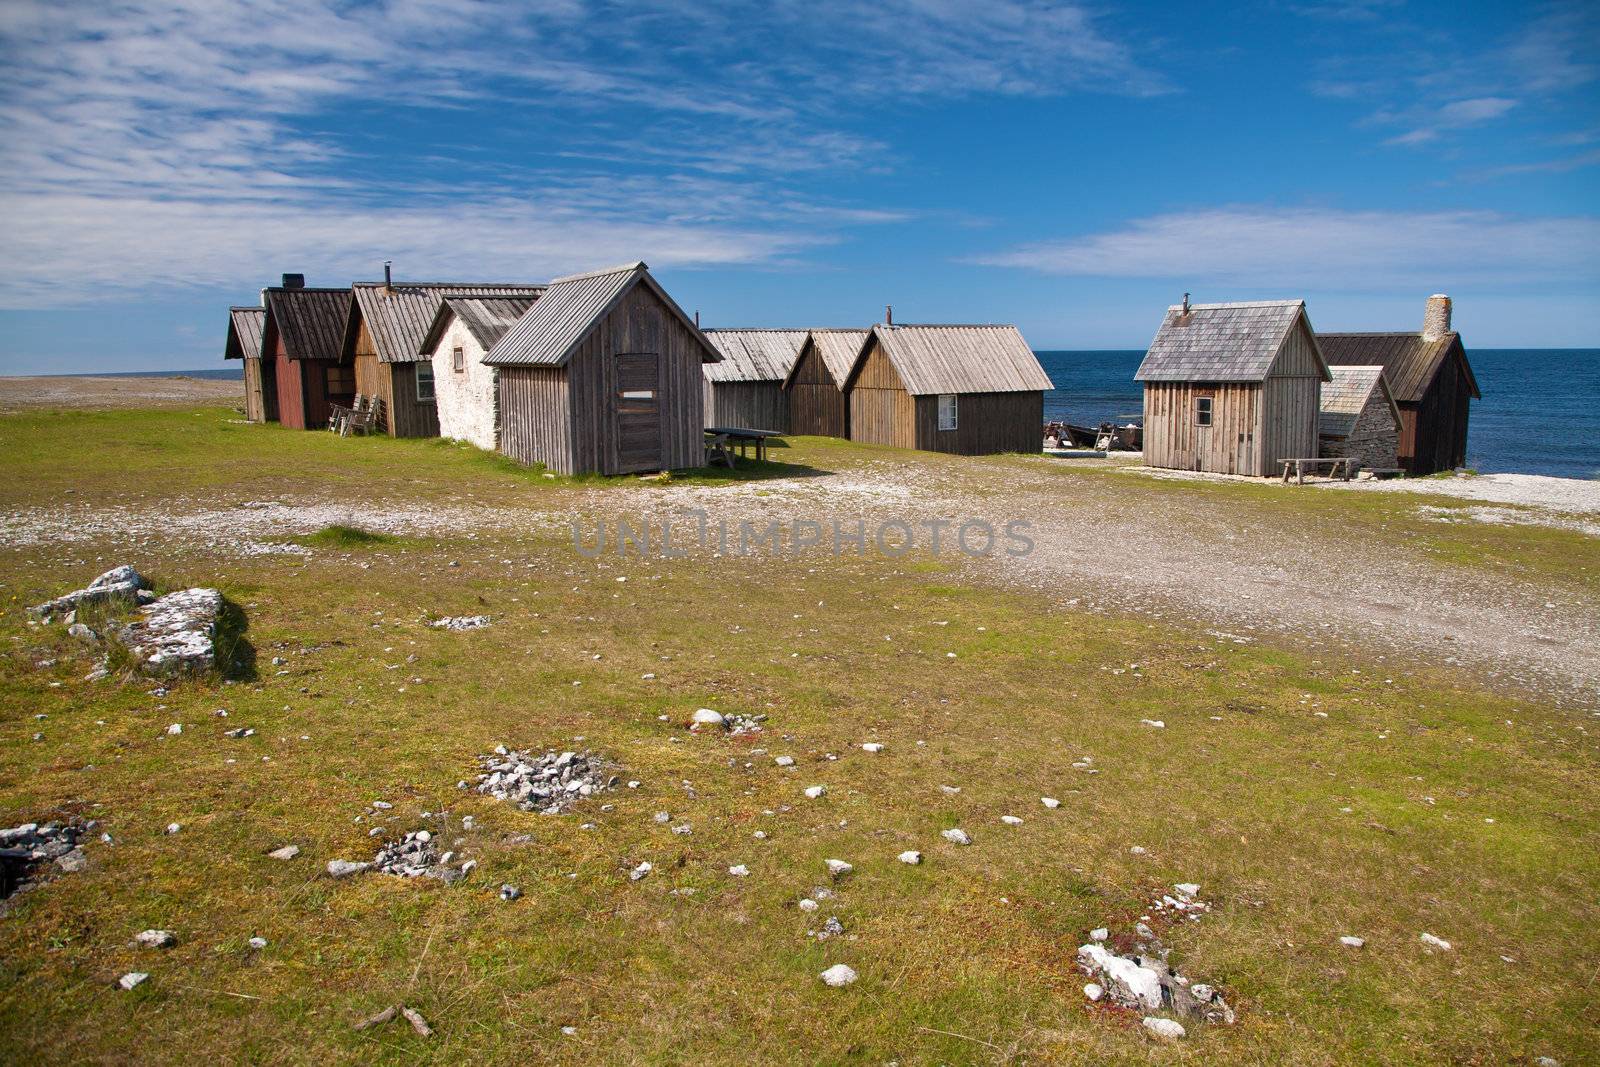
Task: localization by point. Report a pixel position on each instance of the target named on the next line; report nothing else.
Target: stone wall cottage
(301, 340)
(1232, 388)
(814, 389)
(746, 388)
(969, 390)
(602, 374)
(466, 389)
(1359, 418)
(244, 344)
(1431, 380)
(384, 339)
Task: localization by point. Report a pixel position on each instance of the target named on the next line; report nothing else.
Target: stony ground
(1302, 715)
(87, 392)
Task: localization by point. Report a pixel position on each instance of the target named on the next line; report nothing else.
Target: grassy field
(1416, 800)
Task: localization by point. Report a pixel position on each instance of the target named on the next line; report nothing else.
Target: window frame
(458, 359)
(433, 384)
(343, 372)
(955, 412)
(1204, 410)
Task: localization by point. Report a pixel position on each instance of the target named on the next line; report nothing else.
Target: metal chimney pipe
(888, 314)
(388, 275)
(1186, 303)
(697, 318)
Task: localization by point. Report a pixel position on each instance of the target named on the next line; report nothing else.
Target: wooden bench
(1335, 465)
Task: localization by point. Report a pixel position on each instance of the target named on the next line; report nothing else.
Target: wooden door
(636, 402)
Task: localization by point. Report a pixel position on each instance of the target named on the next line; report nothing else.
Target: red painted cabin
(302, 344)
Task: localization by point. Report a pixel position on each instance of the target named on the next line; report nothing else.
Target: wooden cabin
(244, 344)
(746, 388)
(814, 387)
(1431, 381)
(1359, 418)
(1232, 388)
(301, 342)
(602, 374)
(383, 338)
(969, 390)
(465, 388)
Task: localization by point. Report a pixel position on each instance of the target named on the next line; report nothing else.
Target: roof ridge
(1239, 304)
(945, 325)
(306, 289)
(755, 329)
(246, 307)
(621, 268)
(450, 285)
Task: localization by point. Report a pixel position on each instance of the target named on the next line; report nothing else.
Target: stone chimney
(1436, 319)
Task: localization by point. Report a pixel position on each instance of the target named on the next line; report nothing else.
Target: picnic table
(1336, 465)
(721, 440)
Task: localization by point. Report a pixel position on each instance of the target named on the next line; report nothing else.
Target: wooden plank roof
(838, 349)
(562, 317)
(244, 332)
(1220, 342)
(1409, 361)
(1345, 397)
(487, 318)
(398, 316)
(957, 359)
(310, 321)
(754, 355)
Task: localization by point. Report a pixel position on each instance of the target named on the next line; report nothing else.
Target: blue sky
(1070, 168)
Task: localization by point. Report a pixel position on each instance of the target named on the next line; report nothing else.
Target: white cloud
(1456, 115)
(1289, 249)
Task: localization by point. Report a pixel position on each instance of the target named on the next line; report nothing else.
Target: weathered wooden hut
(1232, 388)
(746, 388)
(1431, 380)
(602, 374)
(970, 390)
(1359, 418)
(466, 389)
(383, 338)
(244, 344)
(301, 341)
(815, 384)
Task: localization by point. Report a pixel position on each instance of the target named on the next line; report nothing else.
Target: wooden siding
(588, 439)
(816, 406)
(1437, 438)
(986, 424)
(396, 385)
(1229, 445)
(291, 387)
(1288, 422)
(255, 401)
(881, 411)
(749, 405)
(536, 417)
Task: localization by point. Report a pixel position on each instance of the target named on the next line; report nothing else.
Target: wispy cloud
(1456, 115)
(1283, 249)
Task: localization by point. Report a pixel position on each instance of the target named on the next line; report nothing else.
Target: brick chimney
(1436, 318)
(294, 281)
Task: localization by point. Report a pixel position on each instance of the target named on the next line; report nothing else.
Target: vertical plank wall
(291, 387)
(536, 417)
(372, 377)
(881, 411)
(749, 405)
(816, 406)
(986, 424)
(255, 409)
(408, 416)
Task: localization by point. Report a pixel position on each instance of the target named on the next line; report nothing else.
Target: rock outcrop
(175, 634)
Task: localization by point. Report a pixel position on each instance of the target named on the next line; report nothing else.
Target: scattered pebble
(1011, 820)
(872, 746)
(956, 837)
(1154, 724)
(156, 938)
(815, 791)
(641, 871)
(509, 893)
(131, 979)
(1352, 942)
(1165, 1029)
(1050, 802)
(345, 868)
(739, 870)
(911, 856)
(1435, 942)
(838, 975)
(1093, 991)
(258, 942)
(839, 868)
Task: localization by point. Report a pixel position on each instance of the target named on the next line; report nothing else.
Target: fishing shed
(814, 387)
(745, 389)
(244, 344)
(1359, 418)
(970, 390)
(466, 389)
(1431, 380)
(1232, 388)
(383, 338)
(301, 341)
(602, 374)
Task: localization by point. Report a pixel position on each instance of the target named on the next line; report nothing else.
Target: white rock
(839, 868)
(424, 836)
(1011, 820)
(739, 870)
(838, 975)
(784, 761)
(872, 746)
(809, 905)
(1093, 991)
(1188, 889)
(1138, 850)
(640, 871)
(706, 717)
(815, 791)
(258, 942)
(155, 938)
(1050, 802)
(131, 979)
(345, 868)
(1165, 1029)
(911, 856)
(173, 827)
(1155, 724)
(175, 729)
(1099, 935)
(1352, 942)
(1141, 984)
(957, 837)
(1435, 942)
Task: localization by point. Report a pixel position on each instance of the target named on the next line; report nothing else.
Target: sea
(1540, 412)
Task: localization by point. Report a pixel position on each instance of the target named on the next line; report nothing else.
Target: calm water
(1540, 412)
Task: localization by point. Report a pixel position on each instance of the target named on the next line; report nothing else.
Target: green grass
(339, 535)
(369, 702)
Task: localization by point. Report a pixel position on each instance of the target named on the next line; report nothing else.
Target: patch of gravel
(33, 851)
(1508, 516)
(1571, 495)
(550, 783)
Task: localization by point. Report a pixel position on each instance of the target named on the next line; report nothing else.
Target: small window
(1202, 411)
(341, 380)
(458, 359)
(947, 411)
(424, 381)
(638, 394)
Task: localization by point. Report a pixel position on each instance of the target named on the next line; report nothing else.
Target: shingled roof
(754, 355)
(398, 316)
(487, 318)
(549, 332)
(1345, 397)
(244, 332)
(957, 359)
(310, 321)
(1221, 342)
(1409, 361)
